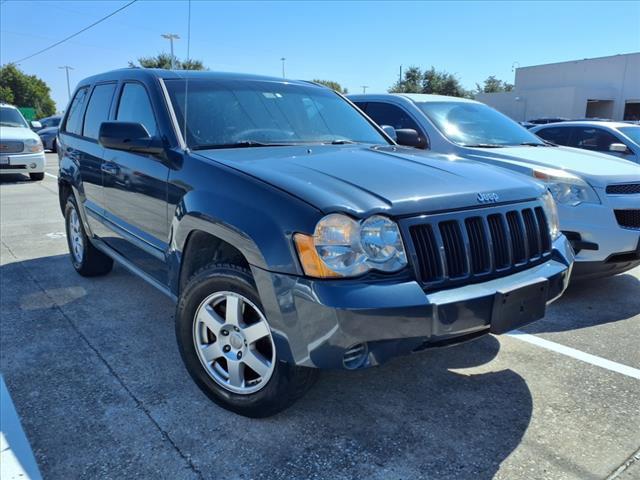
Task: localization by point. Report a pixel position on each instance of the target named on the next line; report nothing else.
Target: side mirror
(410, 138)
(35, 125)
(128, 136)
(618, 147)
(389, 130)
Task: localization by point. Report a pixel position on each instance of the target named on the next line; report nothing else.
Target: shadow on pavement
(575, 310)
(414, 417)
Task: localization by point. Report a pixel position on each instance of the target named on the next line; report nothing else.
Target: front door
(135, 189)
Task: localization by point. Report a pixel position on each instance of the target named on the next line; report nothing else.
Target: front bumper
(315, 322)
(602, 246)
(22, 163)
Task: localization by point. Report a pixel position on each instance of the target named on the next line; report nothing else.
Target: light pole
(67, 68)
(282, 60)
(364, 88)
(171, 37)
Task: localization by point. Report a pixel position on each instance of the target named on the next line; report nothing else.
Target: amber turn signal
(312, 264)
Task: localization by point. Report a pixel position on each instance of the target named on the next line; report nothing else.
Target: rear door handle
(109, 168)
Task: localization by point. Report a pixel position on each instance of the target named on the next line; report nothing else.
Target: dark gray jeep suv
(291, 231)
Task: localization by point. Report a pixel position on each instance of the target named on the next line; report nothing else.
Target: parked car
(615, 138)
(21, 150)
(265, 208)
(49, 122)
(527, 125)
(545, 120)
(48, 136)
(597, 195)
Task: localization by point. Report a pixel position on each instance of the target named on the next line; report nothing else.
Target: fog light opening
(33, 165)
(355, 356)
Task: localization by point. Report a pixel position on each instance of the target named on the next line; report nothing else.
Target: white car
(598, 195)
(21, 149)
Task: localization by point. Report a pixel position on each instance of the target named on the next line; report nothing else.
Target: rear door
(136, 190)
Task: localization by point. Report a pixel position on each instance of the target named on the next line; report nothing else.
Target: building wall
(563, 89)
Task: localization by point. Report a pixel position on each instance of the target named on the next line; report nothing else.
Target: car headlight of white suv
(33, 145)
(344, 247)
(566, 188)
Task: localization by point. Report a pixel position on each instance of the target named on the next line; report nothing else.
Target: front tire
(36, 177)
(227, 346)
(85, 258)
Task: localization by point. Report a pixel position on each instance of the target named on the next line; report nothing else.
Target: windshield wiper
(484, 145)
(242, 144)
(533, 144)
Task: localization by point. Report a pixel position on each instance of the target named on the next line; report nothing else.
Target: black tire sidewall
(265, 401)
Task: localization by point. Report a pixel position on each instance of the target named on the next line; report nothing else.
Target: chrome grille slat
(11, 146)
(450, 248)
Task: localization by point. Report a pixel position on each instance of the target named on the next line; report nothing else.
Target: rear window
(73, 123)
(98, 109)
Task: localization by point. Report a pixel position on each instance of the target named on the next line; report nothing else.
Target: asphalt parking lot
(95, 375)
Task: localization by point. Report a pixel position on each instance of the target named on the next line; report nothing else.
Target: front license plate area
(517, 306)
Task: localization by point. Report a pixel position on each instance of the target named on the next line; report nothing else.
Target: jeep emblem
(491, 197)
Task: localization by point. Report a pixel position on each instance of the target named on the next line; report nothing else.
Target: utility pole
(171, 37)
(282, 60)
(67, 68)
(364, 88)
(400, 77)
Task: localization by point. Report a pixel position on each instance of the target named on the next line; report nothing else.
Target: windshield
(632, 132)
(10, 117)
(476, 125)
(223, 114)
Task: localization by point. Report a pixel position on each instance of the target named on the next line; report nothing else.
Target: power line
(77, 33)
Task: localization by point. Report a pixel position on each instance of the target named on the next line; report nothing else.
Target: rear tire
(36, 177)
(203, 323)
(85, 258)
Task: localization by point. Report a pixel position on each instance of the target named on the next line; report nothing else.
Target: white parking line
(577, 354)
(50, 175)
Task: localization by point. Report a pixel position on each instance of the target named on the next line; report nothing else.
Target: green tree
(24, 90)
(333, 85)
(493, 85)
(163, 60)
(429, 81)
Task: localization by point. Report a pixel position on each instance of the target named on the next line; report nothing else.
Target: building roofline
(579, 60)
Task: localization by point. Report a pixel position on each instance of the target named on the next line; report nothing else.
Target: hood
(17, 133)
(363, 180)
(48, 131)
(596, 168)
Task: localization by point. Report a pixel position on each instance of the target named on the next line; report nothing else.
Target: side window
(73, 123)
(361, 105)
(557, 135)
(135, 106)
(386, 114)
(98, 109)
(594, 139)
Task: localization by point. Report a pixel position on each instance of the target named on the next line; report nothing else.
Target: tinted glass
(594, 139)
(632, 132)
(222, 114)
(386, 114)
(557, 135)
(135, 106)
(98, 109)
(476, 125)
(74, 119)
(10, 117)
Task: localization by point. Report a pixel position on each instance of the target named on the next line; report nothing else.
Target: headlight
(551, 212)
(344, 247)
(566, 188)
(32, 145)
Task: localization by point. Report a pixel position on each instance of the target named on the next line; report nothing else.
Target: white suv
(598, 195)
(21, 149)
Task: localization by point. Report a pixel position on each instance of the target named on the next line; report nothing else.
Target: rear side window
(135, 106)
(98, 109)
(386, 114)
(557, 135)
(74, 118)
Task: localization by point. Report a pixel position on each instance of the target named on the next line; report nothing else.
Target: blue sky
(354, 43)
